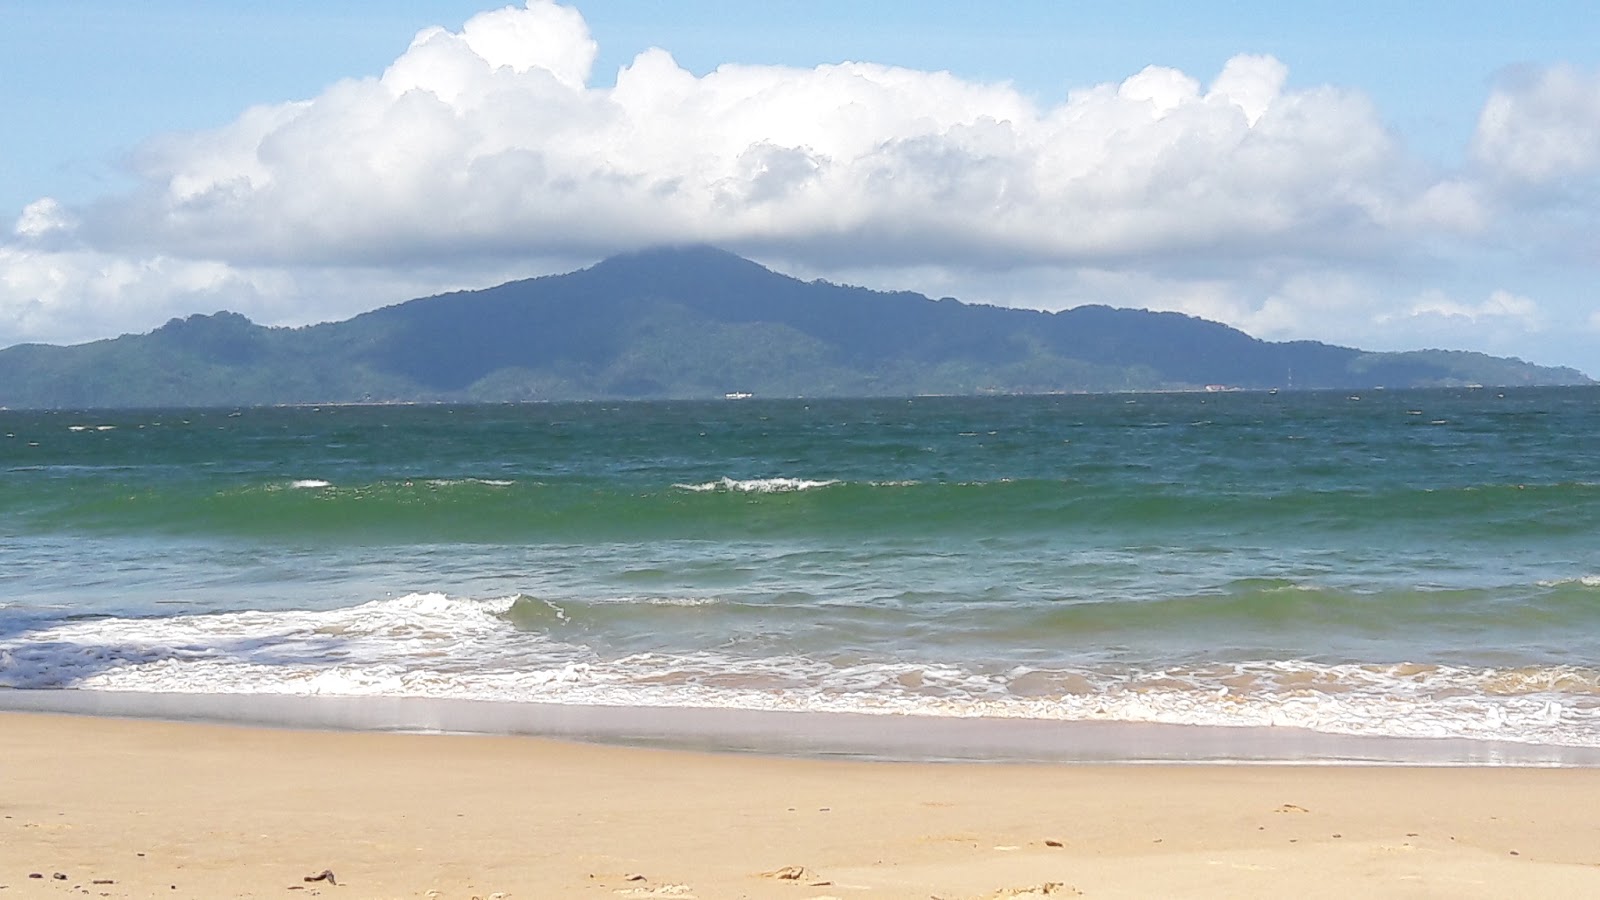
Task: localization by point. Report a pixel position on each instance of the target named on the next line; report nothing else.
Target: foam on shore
(812, 734)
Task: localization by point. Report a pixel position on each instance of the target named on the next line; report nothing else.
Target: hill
(700, 322)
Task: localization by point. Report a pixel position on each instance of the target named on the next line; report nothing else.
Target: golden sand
(123, 808)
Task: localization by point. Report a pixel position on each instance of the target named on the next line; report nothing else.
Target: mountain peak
(700, 260)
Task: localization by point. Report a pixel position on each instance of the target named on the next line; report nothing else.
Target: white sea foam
(635, 599)
(1585, 581)
(432, 645)
(309, 483)
(757, 485)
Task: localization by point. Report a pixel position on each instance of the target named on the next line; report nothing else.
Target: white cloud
(41, 218)
(1501, 305)
(71, 296)
(1251, 83)
(52, 296)
(1542, 126)
(489, 142)
(1502, 322)
(548, 39)
(1450, 207)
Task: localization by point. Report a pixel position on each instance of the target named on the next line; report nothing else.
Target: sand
(130, 808)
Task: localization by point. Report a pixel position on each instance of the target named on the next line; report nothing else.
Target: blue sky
(1377, 174)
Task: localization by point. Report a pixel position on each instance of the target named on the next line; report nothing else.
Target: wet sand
(132, 808)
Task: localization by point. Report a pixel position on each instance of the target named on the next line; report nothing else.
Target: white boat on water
(737, 395)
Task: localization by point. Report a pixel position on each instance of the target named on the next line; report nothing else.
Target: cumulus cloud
(553, 41)
(490, 141)
(41, 218)
(1540, 126)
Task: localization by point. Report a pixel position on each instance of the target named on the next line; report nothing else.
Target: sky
(1381, 175)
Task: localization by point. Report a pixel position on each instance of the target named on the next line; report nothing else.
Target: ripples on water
(1410, 563)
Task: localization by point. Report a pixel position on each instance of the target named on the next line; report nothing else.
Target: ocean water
(1417, 564)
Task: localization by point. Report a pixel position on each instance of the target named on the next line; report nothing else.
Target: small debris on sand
(665, 890)
(797, 874)
(324, 875)
(1048, 889)
(1291, 808)
(1053, 843)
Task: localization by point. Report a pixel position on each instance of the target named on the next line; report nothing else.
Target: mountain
(700, 322)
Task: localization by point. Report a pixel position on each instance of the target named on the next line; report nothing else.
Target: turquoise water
(1415, 564)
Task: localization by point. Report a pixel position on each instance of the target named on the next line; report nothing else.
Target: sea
(1381, 575)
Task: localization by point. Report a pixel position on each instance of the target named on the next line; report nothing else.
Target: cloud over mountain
(491, 142)
(481, 149)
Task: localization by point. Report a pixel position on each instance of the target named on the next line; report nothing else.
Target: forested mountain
(700, 322)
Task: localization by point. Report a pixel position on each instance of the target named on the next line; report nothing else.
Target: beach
(141, 808)
(1234, 645)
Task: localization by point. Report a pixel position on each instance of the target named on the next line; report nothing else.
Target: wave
(525, 649)
(318, 483)
(507, 510)
(757, 485)
(1587, 581)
